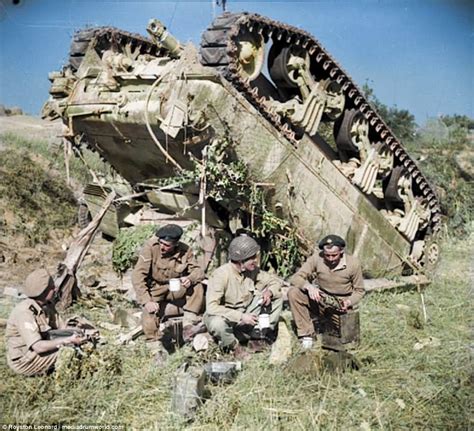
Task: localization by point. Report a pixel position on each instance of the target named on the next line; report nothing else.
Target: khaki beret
(36, 283)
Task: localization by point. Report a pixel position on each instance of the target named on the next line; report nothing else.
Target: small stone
(200, 342)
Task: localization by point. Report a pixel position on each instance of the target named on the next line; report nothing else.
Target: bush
(127, 245)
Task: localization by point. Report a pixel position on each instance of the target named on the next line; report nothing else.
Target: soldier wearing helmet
(29, 351)
(330, 280)
(162, 259)
(237, 293)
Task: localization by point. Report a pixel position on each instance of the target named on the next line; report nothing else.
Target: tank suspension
(308, 86)
(289, 68)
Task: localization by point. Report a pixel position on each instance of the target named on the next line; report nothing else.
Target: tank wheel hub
(251, 56)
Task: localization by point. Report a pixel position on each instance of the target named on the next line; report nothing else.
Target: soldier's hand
(345, 304)
(248, 319)
(151, 307)
(313, 292)
(266, 296)
(186, 282)
(76, 339)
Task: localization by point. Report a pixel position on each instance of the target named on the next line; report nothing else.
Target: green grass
(36, 200)
(34, 196)
(54, 156)
(397, 387)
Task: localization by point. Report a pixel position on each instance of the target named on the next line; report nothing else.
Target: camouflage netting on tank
(242, 201)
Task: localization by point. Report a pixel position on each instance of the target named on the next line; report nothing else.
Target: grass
(397, 387)
(54, 155)
(35, 201)
(34, 196)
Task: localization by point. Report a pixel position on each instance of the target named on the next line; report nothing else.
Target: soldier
(329, 279)
(163, 259)
(29, 351)
(237, 293)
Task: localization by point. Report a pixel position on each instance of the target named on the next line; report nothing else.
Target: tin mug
(264, 321)
(175, 285)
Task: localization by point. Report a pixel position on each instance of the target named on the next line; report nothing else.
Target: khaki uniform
(27, 324)
(150, 279)
(345, 281)
(230, 294)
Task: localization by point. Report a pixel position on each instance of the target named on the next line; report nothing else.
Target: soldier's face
(167, 247)
(50, 292)
(48, 295)
(332, 256)
(250, 264)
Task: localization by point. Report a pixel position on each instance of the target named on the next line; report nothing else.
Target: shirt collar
(342, 263)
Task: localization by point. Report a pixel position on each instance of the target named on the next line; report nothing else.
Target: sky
(416, 54)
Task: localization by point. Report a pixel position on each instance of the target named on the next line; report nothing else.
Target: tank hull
(151, 114)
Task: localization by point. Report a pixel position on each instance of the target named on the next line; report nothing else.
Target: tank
(321, 156)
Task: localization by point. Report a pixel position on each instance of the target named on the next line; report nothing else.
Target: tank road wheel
(336, 100)
(385, 166)
(407, 212)
(425, 254)
(352, 133)
(287, 65)
(431, 255)
(251, 55)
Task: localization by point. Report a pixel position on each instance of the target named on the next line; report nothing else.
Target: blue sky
(416, 54)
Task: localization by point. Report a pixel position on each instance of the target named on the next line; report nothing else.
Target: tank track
(105, 38)
(219, 49)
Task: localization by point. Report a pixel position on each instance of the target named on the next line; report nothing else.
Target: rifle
(65, 278)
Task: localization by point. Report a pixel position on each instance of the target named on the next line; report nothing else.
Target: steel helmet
(243, 247)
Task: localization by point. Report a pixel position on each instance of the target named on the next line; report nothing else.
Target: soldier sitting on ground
(238, 292)
(29, 350)
(165, 275)
(330, 280)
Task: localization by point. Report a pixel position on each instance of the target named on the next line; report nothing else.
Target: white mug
(264, 321)
(175, 285)
(307, 342)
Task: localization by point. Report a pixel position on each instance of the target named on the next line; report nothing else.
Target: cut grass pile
(415, 375)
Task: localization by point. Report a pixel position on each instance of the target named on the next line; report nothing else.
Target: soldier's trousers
(302, 307)
(186, 302)
(229, 333)
(33, 364)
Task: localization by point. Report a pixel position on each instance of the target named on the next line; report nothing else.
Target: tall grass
(400, 385)
(54, 154)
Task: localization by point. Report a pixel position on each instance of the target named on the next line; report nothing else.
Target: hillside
(414, 374)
